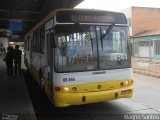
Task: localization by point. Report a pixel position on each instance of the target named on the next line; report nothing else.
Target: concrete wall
(146, 66)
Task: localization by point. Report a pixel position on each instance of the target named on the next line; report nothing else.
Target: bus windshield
(91, 47)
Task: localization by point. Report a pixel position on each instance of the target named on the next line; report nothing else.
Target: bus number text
(68, 79)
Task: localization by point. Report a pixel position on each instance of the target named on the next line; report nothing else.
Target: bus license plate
(125, 92)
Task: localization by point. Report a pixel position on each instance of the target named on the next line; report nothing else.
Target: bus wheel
(41, 79)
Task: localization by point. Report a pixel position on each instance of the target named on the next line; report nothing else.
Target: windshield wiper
(104, 35)
(107, 31)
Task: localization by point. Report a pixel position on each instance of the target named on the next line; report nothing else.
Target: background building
(144, 28)
(142, 19)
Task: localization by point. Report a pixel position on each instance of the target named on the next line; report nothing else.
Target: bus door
(49, 60)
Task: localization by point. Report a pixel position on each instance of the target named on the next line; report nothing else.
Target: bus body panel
(92, 76)
(95, 88)
(47, 67)
(67, 99)
(27, 58)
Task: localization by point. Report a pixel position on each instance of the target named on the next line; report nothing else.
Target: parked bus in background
(81, 56)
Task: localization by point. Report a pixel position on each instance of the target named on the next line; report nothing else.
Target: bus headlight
(66, 89)
(127, 82)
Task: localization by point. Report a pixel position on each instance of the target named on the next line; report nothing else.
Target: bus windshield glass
(91, 47)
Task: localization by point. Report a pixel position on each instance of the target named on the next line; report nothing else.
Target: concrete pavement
(14, 98)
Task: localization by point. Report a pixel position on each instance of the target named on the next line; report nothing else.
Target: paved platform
(14, 98)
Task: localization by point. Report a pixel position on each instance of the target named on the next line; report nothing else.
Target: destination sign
(89, 16)
(91, 19)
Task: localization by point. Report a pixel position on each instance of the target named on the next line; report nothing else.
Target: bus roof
(83, 16)
(90, 16)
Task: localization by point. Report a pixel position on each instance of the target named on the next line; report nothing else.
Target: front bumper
(67, 99)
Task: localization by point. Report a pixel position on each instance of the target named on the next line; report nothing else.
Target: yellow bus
(81, 56)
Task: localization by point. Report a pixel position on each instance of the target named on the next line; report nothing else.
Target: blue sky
(117, 5)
